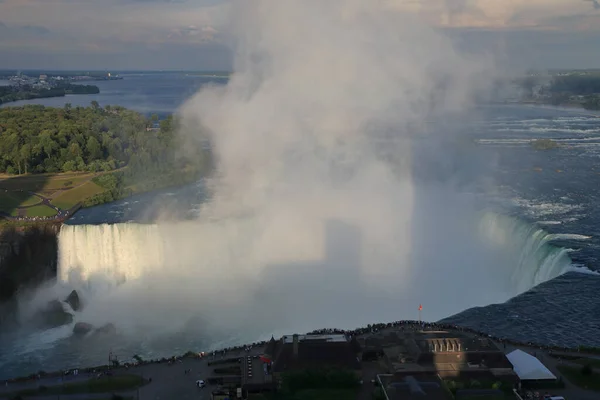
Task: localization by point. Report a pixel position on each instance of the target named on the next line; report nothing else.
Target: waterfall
(246, 265)
(120, 252)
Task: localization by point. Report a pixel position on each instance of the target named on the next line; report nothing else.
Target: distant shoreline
(570, 108)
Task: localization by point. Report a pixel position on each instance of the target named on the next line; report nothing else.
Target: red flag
(420, 307)
(265, 359)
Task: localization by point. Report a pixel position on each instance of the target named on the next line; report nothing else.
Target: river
(551, 200)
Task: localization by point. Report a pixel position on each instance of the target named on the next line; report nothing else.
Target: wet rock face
(53, 315)
(81, 328)
(28, 257)
(73, 300)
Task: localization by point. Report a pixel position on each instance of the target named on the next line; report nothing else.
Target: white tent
(527, 367)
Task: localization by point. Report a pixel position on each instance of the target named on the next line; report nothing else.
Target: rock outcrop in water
(53, 315)
(73, 300)
(82, 328)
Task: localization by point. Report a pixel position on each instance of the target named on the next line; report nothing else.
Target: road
(171, 381)
(168, 381)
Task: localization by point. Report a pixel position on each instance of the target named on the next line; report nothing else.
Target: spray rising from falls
(316, 216)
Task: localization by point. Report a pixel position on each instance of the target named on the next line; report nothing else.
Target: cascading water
(538, 261)
(178, 268)
(119, 252)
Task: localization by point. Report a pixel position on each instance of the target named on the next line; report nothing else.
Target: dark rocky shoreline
(28, 258)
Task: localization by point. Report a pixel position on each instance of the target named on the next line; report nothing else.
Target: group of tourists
(406, 324)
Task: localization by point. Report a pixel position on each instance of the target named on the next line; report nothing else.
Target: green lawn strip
(31, 200)
(9, 200)
(592, 362)
(40, 211)
(105, 384)
(69, 198)
(43, 182)
(575, 376)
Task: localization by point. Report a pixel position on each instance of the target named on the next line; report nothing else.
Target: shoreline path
(169, 380)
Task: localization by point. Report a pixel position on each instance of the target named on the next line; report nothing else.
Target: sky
(195, 35)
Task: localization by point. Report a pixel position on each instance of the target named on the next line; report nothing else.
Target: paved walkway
(168, 381)
(46, 201)
(171, 382)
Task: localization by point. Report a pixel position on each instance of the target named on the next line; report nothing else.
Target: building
(528, 368)
(447, 354)
(297, 352)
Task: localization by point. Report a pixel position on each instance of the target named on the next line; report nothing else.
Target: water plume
(317, 215)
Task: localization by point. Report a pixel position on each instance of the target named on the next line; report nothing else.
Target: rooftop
(310, 351)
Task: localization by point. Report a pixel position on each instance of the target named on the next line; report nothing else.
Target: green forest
(38, 139)
(587, 86)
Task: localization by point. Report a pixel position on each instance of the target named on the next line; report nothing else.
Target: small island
(544, 144)
(55, 160)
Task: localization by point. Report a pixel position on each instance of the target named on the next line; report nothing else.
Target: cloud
(595, 3)
(9, 31)
(490, 14)
(38, 30)
(117, 25)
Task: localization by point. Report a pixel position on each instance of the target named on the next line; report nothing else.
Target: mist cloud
(327, 207)
(595, 3)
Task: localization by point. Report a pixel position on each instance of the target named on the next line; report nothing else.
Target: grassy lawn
(593, 362)
(574, 375)
(312, 394)
(40, 211)
(69, 198)
(10, 200)
(43, 182)
(106, 384)
(48, 185)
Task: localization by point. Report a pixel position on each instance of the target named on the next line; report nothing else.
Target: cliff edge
(28, 257)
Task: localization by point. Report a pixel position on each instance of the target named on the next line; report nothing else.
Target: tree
(38, 139)
(94, 150)
(25, 156)
(587, 370)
